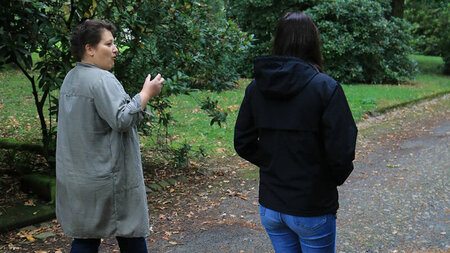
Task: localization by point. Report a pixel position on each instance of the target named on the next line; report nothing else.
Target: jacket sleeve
(246, 139)
(339, 132)
(115, 106)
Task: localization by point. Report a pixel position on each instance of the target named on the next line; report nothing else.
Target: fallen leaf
(30, 202)
(233, 107)
(30, 238)
(10, 189)
(194, 163)
(12, 247)
(173, 243)
(221, 150)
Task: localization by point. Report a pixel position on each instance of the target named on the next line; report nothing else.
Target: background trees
(359, 43)
(430, 20)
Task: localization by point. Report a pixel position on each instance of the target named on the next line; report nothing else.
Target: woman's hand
(151, 88)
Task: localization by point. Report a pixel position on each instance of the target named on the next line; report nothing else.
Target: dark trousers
(126, 245)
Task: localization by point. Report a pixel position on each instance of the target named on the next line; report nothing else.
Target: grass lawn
(19, 118)
(192, 124)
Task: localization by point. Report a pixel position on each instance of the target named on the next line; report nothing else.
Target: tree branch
(39, 106)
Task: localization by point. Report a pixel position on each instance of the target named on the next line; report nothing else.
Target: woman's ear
(89, 50)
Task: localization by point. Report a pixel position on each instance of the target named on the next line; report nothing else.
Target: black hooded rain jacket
(296, 126)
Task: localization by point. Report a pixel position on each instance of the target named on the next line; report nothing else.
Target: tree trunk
(398, 7)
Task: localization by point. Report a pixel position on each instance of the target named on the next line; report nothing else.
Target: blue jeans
(126, 245)
(290, 233)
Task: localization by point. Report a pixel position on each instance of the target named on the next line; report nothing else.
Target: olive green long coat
(99, 181)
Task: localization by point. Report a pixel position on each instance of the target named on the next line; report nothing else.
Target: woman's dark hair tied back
(88, 32)
(297, 35)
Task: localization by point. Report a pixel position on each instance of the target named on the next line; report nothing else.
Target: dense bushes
(259, 17)
(190, 42)
(430, 20)
(359, 43)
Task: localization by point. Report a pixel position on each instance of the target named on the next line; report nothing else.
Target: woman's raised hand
(151, 88)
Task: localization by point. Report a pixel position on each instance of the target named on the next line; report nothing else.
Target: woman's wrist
(145, 97)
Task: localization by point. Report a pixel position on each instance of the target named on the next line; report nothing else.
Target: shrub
(430, 20)
(190, 42)
(359, 43)
(259, 18)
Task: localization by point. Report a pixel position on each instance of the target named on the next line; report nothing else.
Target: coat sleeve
(339, 132)
(246, 138)
(115, 106)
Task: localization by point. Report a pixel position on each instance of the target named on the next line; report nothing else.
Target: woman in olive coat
(100, 186)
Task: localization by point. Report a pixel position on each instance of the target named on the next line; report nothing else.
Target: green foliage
(213, 111)
(190, 43)
(359, 43)
(430, 20)
(259, 18)
(181, 156)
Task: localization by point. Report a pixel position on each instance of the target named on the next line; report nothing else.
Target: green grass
(193, 124)
(19, 118)
(365, 98)
(428, 83)
(429, 64)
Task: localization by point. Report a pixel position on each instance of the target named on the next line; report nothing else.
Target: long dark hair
(298, 36)
(88, 32)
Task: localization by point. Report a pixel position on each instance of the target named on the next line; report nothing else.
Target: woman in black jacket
(296, 126)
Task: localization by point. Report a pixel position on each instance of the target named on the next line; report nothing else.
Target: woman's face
(104, 53)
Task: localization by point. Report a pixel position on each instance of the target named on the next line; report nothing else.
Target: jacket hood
(281, 77)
